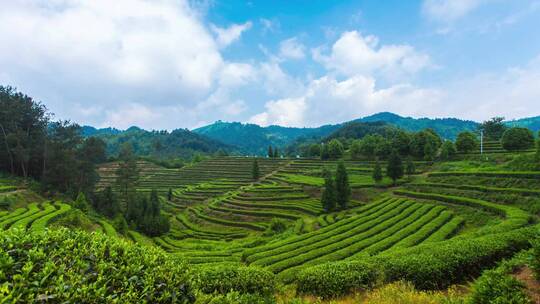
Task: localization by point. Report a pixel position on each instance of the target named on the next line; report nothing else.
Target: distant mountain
(532, 123)
(448, 128)
(254, 139)
(159, 144)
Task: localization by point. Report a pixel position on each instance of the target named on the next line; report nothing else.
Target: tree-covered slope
(445, 127)
(532, 123)
(161, 144)
(254, 139)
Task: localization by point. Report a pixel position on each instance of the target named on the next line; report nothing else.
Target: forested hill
(161, 144)
(251, 138)
(532, 123)
(446, 127)
(254, 139)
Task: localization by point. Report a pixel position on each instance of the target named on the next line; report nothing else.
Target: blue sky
(170, 64)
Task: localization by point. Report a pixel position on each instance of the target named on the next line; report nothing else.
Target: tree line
(337, 191)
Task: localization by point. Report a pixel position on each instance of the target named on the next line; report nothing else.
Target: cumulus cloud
(327, 100)
(226, 36)
(136, 53)
(291, 49)
(355, 54)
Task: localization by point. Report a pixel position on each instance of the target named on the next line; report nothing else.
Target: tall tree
(276, 152)
(270, 152)
(448, 149)
(255, 172)
(343, 189)
(314, 150)
(325, 153)
(466, 142)
(515, 139)
(107, 203)
(127, 172)
(328, 197)
(394, 169)
(335, 149)
(23, 131)
(494, 128)
(356, 149)
(377, 173)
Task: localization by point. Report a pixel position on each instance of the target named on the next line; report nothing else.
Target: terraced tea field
(219, 215)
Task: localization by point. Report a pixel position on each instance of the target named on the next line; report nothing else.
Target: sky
(168, 64)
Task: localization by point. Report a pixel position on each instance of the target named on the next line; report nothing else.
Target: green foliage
(535, 256)
(328, 197)
(227, 278)
(335, 279)
(277, 226)
(517, 139)
(428, 266)
(144, 214)
(325, 152)
(394, 169)
(255, 172)
(106, 202)
(81, 203)
(424, 144)
(494, 128)
(410, 168)
(335, 149)
(127, 173)
(343, 189)
(120, 225)
(377, 173)
(497, 287)
(314, 150)
(74, 266)
(466, 142)
(270, 152)
(448, 149)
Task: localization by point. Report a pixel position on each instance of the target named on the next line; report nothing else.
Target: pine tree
(410, 168)
(394, 169)
(377, 173)
(276, 152)
(154, 203)
(169, 195)
(270, 152)
(255, 173)
(325, 153)
(328, 198)
(343, 189)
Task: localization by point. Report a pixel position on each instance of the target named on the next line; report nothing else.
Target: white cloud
(354, 54)
(131, 53)
(269, 26)
(327, 100)
(513, 93)
(447, 11)
(291, 49)
(226, 36)
(284, 112)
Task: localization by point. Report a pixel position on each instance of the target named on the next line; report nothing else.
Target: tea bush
(66, 266)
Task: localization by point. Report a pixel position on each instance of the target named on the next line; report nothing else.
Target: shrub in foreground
(495, 286)
(427, 266)
(227, 278)
(63, 266)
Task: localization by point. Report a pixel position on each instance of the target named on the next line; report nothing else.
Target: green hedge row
(224, 279)
(481, 188)
(425, 231)
(42, 222)
(500, 174)
(297, 206)
(23, 223)
(427, 266)
(15, 216)
(514, 217)
(287, 248)
(256, 213)
(343, 246)
(227, 222)
(364, 211)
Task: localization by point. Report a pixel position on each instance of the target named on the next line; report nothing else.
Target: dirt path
(526, 276)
